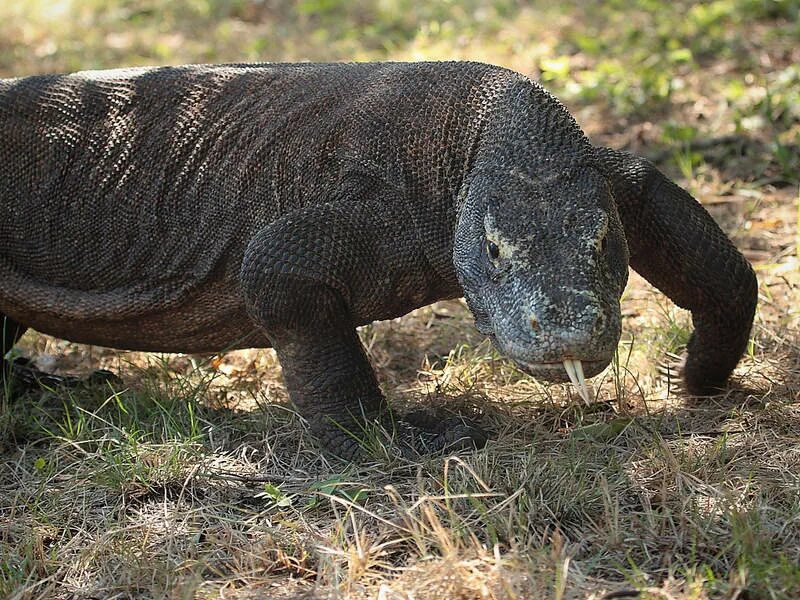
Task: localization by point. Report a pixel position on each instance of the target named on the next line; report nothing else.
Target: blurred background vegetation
(698, 69)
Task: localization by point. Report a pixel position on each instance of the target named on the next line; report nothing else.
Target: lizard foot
(22, 375)
(421, 433)
(417, 434)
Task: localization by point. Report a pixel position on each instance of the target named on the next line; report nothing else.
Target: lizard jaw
(555, 372)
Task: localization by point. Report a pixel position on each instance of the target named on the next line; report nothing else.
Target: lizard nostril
(534, 323)
(600, 322)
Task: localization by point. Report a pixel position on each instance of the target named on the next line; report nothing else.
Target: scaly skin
(681, 250)
(205, 208)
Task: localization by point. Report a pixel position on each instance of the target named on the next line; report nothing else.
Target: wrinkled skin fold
(206, 208)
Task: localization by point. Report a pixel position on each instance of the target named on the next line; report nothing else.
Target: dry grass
(198, 480)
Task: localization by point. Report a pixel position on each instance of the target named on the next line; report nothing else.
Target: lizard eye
(604, 243)
(492, 249)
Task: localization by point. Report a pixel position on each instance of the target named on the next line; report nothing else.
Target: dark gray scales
(204, 208)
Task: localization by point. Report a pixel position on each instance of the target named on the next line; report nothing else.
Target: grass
(196, 479)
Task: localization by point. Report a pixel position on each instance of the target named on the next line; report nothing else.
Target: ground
(196, 479)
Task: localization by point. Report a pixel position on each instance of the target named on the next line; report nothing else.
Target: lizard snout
(574, 323)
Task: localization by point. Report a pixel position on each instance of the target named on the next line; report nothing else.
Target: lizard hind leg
(19, 374)
(11, 331)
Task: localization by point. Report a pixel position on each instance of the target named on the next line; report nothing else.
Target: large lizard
(204, 208)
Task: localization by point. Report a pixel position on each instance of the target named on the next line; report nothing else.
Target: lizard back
(127, 197)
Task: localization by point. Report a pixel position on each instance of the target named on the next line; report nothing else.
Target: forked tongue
(575, 371)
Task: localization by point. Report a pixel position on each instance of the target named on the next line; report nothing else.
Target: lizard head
(543, 262)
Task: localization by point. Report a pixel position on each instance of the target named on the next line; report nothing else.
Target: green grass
(196, 479)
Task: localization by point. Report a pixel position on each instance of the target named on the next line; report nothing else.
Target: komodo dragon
(204, 208)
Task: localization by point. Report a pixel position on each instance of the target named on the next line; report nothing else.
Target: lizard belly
(211, 318)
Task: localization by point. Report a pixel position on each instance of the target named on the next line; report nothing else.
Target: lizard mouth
(566, 369)
(576, 371)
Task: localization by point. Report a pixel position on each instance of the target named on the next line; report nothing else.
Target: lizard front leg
(304, 278)
(676, 245)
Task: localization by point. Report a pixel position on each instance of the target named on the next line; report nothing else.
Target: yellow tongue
(575, 371)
